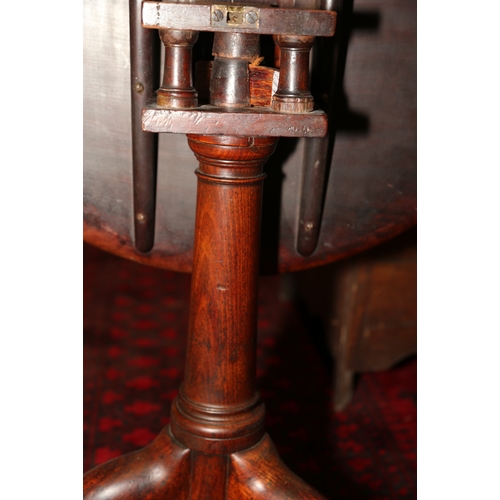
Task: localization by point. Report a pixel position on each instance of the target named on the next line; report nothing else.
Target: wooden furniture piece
(368, 306)
(156, 213)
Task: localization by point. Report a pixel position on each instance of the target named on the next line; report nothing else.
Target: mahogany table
(327, 195)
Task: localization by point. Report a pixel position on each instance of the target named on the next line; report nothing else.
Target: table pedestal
(215, 447)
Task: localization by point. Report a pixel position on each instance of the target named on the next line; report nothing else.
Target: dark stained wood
(293, 94)
(166, 470)
(160, 470)
(259, 474)
(233, 52)
(263, 82)
(208, 476)
(177, 89)
(312, 194)
(271, 21)
(218, 408)
(144, 78)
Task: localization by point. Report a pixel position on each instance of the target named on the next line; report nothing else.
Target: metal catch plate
(234, 15)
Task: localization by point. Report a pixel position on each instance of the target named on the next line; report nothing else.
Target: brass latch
(235, 15)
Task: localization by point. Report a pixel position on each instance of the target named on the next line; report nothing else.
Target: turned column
(177, 89)
(293, 95)
(218, 409)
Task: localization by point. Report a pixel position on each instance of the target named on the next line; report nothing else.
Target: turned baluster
(293, 94)
(177, 89)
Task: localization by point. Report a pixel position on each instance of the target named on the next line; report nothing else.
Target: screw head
(138, 88)
(252, 17)
(217, 15)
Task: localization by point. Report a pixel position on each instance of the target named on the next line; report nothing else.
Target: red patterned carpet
(135, 323)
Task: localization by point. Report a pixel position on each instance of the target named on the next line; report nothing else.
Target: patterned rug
(135, 324)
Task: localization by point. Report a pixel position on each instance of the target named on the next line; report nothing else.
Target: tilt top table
(139, 203)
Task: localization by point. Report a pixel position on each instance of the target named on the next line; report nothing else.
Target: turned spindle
(177, 89)
(293, 94)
